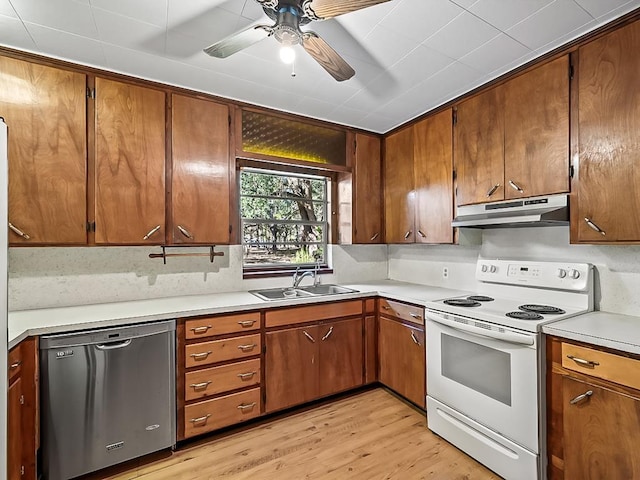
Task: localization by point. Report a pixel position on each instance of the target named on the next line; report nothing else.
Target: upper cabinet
(200, 201)
(604, 198)
(129, 164)
(433, 178)
(418, 174)
(367, 190)
(399, 208)
(44, 109)
(512, 141)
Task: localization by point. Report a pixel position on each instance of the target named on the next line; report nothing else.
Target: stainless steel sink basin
(327, 289)
(301, 292)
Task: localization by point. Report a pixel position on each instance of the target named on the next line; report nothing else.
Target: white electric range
(485, 360)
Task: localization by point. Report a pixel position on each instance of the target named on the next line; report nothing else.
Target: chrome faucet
(297, 276)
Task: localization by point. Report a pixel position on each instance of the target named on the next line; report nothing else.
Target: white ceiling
(409, 55)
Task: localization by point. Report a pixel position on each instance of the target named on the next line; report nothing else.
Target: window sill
(249, 272)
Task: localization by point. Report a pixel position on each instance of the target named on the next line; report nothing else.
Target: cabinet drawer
(410, 313)
(211, 381)
(210, 326)
(324, 311)
(220, 412)
(206, 353)
(14, 362)
(608, 366)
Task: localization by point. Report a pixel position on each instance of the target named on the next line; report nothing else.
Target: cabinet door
(479, 148)
(398, 187)
(129, 164)
(536, 123)
(402, 359)
(341, 356)
(14, 430)
(45, 110)
(601, 433)
(367, 192)
(433, 177)
(291, 367)
(200, 171)
(608, 170)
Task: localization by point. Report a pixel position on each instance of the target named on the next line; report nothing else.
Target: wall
(617, 268)
(54, 277)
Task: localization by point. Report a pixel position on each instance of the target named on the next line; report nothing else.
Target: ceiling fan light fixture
(287, 54)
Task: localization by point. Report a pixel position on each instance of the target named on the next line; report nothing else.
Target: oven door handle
(481, 332)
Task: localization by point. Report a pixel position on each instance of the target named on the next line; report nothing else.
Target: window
(283, 219)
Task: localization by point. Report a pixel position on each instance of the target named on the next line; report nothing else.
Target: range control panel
(555, 275)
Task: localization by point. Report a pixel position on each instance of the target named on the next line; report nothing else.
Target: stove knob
(484, 269)
(562, 272)
(493, 269)
(575, 274)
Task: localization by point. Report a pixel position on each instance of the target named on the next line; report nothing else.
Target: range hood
(528, 212)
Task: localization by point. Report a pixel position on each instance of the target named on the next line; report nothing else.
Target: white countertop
(26, 323)
(612, 330)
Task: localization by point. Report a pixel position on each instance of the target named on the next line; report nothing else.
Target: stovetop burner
(462, 302)
(524, 315)
(543, 309)
(480, 298)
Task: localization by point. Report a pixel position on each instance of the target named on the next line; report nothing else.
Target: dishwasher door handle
(113, 345)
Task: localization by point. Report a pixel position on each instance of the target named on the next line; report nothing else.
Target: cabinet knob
(575, 274)
(562, 273)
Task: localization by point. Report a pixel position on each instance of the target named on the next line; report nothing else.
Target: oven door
(485, 372)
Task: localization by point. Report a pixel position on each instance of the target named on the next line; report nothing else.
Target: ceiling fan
(289, 16)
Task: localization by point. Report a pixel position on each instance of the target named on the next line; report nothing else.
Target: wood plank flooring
(370, 435)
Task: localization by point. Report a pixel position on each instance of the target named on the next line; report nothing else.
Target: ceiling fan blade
(321, 9)
(238, 41)
(327, 57)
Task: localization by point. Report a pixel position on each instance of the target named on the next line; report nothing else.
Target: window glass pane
(283, 218)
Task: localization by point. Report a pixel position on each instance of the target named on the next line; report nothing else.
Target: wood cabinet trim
(312, 313)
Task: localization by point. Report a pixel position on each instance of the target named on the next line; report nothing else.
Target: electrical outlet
(445, 272)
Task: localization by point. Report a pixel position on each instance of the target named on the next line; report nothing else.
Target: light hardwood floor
(370, 435)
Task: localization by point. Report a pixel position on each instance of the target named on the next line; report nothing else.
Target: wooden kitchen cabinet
(200, 202)
(129, 164)
(399, 207)
(322, 357)
(219, 372)
(401, 350)
(433, 178)
(512, 141)
(593, 403)
(603, 201)
(367, 190)
(22, 411)
(45, 111)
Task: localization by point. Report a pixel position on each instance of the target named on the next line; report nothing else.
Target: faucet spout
(297, 277)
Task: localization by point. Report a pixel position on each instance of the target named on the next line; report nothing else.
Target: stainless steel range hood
(528, 212)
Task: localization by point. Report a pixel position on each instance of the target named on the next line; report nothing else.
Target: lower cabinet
(593, 412)
(22, 411)
(315, 360)
(401, 351)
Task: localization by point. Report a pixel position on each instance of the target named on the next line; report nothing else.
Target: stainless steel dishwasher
(107, 396)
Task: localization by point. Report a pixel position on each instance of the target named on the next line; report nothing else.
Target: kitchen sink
(300, 292)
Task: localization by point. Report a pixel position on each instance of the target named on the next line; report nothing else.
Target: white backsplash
(617, 277)
(54, 277)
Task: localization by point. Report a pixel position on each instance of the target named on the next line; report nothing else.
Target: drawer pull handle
(201, 419)
(17, 231)
(185, 232)
(386, 307)
(493, 189)
(415, 339)
(313, 340)
(17, 364)
(415, 315)
(582, 362)
(200, 386)
(247, 406)
(202, 329)
(151, 232)
(244, 376)
(328, 334)
(408, 234)
(247, 323)
(515, 186)
(247, 348)
(580, 398)
(198, 356)
(594, 226)
(375, 235)
(421, 233)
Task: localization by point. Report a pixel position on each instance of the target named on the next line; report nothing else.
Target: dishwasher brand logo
(64, 353)
(115, 446)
